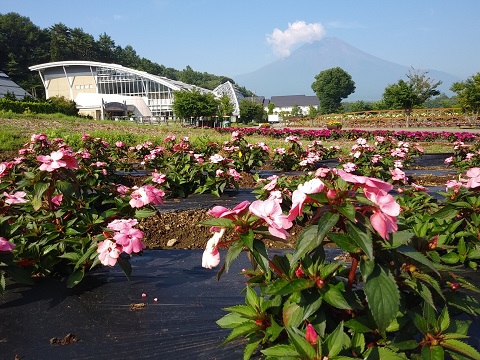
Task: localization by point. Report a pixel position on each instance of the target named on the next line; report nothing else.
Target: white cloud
(296, 33)
(118, 17)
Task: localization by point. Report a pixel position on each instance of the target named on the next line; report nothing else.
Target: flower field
(68, 209)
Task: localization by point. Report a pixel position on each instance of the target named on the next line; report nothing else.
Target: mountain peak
(295, 74)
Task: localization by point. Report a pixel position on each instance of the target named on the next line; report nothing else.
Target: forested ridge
(23, 44)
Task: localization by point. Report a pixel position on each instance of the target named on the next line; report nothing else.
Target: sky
(228, 37)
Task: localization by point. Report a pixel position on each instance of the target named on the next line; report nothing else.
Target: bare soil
(183, 230)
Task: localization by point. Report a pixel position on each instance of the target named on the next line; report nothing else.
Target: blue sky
(226, 37)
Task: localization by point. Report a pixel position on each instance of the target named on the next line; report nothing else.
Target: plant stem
(353, 270)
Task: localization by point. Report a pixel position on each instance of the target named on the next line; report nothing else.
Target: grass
(16, 130)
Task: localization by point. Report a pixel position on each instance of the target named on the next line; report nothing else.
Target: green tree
(332, 86)
(296, 111)
(250, 111)
(468, 94)
(312, 113)
(193, 104)
(270, 108)
(225, 107)
(409, 94)
(359, 105)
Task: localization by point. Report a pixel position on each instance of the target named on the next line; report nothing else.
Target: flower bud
(311, 335)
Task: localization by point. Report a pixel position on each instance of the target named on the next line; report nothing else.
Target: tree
(250, 111)
(296, 110)
(468, 94)
(225, 107)
(312, 113)
(193, 104)
(332, 86)
(409, 94)
(270, 108)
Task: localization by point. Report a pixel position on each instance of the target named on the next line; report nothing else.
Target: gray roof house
(7, 85)
(286, 103)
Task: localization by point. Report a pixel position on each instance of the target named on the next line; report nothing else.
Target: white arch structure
(92, 84)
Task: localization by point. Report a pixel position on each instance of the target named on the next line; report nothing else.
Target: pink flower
(4, 168)
(211, 255)
(158, 177)
(311, 335)
(383, 223)
(122, 189)
(448, 160)
(108, 252)
(16, 198)
(271, 212)
(349, 167)
(5, 245)
(153, 194)
(56, 160)
(145, 195)
(365, 181)
(120, 144)
(57, 200)
(272, 184)
(453, 184)
(299, 196)
(223, 212)
(122, 224)
(217, 158)
(419, 187)
(234, 173)
(474, 177)
(397, 174)
(130, 239)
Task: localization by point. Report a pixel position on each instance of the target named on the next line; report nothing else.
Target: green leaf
(75, 278)
(220, 222)
(144, 213)
(309, 239)
(450, 258)
(274, 330)
(295, 285)
(230, 320)
(343, 241)
(242, 329)
(358, 342)
(232, 253)
(40, 188)
(250, 348)
(260, 254)
(432, 352)
(334, 297)
(243, 310)
(360, 325)
(125, 266)
(70, 256)
(461, 347)
(281, 352)
(446, 213)
(399, 238)
(252, 300)
(304, 348)
(292, 315)
(383, 296)
(362, 239)
(388, 354)
(412, 253)
(444, 320)
(333, 343)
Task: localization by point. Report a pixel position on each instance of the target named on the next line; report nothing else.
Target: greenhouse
(99, 87)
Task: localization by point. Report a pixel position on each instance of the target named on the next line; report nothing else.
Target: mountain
(294, 75)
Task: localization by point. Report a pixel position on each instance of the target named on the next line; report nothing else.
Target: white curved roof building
(102, 89)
